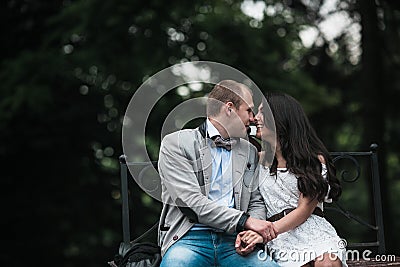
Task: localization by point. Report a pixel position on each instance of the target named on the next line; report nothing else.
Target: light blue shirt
(221, 189)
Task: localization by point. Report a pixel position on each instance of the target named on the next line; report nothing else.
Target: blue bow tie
(224, 143)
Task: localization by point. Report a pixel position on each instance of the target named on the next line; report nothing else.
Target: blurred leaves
(69, 69)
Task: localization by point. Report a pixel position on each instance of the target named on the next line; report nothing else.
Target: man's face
(245, 113)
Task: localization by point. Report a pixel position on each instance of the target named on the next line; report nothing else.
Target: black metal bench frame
(377, 226)
(376, 195)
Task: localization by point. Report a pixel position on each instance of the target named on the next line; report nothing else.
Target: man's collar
(211, 130)
(203, 129)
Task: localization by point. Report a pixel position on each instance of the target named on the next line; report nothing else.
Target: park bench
(357, 215)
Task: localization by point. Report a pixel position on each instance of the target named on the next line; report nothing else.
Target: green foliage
(70, 68)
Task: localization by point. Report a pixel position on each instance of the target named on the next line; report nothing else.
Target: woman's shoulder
(323, 164)
(321, 159)
(264, 168)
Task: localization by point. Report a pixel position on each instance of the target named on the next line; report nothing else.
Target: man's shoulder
(180, 141)
(181, 133)
(180, 137)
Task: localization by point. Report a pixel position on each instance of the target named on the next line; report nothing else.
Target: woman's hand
(246, 241)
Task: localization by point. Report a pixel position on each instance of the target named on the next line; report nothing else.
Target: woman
(294, 185)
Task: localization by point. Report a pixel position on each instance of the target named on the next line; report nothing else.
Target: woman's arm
(246, 240)
(305, 208)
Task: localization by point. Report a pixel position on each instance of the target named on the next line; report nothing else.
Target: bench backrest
(359, 176)
(357, 215)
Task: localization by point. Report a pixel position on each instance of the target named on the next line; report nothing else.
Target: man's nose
(252, 117)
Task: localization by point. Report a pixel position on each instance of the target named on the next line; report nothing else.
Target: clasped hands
(259, 231)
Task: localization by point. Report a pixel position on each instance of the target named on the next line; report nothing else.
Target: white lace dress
(307, 241)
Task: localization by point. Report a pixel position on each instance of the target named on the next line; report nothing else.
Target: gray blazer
(185, 167)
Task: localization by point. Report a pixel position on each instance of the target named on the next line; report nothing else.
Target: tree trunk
(372, 95)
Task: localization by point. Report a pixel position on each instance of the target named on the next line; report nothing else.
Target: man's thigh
(229, 257)
(194, 249)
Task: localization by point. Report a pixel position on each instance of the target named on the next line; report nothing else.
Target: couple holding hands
(223, 206)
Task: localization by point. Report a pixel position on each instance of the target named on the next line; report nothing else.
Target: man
(209, 181)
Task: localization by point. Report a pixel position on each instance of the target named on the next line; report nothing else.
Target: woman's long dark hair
(301, 147)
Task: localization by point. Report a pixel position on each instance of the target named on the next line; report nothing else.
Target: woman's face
(262, 131)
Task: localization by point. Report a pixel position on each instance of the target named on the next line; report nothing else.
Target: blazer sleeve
(257, 208)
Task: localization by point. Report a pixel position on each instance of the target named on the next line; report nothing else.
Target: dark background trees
(69, 69)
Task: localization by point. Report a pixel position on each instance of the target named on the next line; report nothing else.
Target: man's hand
(265, 228)
(246, 242)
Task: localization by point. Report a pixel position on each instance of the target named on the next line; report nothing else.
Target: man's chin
(240, 132)
(243, 134)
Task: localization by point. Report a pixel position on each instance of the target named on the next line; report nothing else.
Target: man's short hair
(223, 92)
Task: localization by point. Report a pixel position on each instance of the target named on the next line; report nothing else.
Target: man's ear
(229, 107)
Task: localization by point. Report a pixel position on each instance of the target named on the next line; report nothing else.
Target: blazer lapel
(239, 162)
(206, 165)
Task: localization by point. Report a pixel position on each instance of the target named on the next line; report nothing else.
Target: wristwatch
(242, 222)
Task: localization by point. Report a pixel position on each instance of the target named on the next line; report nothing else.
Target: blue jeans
(209, 248)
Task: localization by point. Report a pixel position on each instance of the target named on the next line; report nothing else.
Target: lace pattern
(316, 235)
